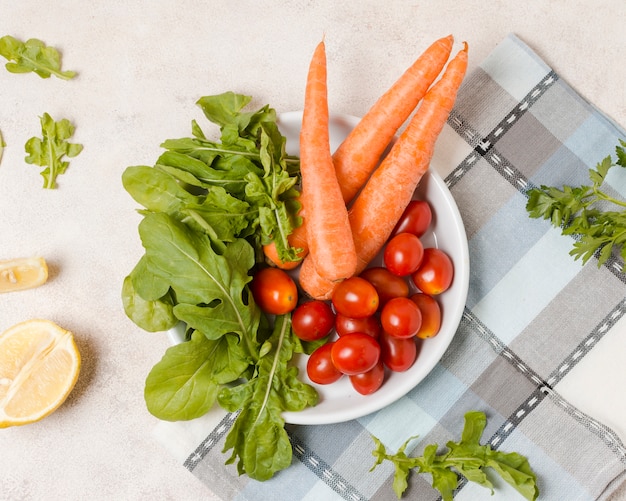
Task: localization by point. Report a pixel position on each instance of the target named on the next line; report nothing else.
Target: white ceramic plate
(339, 401)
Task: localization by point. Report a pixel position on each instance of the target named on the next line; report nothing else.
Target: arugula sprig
(260, 445)
(32, 56)
(208, 207)
(465, 458)
(49, 150)
(582, 212)
(249, 162)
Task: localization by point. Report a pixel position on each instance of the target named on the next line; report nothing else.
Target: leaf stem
(52, 71)
(603, 196)
(284, 323)
(289, 159)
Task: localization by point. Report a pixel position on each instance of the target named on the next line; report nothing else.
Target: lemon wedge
(22, 273)
(39, 366)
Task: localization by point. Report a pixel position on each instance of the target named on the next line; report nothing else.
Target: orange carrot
(357, 156)
(327, 226)
(312, 283)
(360, 152)
(297, 240)
(390, 188)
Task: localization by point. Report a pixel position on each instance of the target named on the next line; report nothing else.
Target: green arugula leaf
(184, 383)
(154, 189)
(149, 286)
(516, 471)
(197, 275)
(32, 56)
(467, 458)
(258, 439)
(225, 110)
(50, 150)
(583, 212)
(214, 212)
(207, 164)
(156, 315)
(147, 300)
(275, 194)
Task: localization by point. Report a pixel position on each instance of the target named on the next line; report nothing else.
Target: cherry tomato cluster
(378, 317)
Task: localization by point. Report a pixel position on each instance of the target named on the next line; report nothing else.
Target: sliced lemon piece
(22, 273)
(39, 366)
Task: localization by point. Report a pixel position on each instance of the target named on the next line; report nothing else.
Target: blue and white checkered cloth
(532, 314)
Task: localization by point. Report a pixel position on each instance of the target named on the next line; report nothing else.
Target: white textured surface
(142, 65)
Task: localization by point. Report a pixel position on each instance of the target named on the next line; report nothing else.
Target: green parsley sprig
(465, 458)
(583, 212)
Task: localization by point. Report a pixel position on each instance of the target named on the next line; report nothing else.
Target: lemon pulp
(22, 273)
(39, 366)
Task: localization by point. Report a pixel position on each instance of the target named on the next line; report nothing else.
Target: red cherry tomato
(355, 353)
(431, 315)
(386, 283)
(367, 325)
(319, 366)
(274, 291)
(416, 218)
(435, 274)
(403, 254)
(368, 382)
(355, 297)
(312, 320)
(398, 354)
(401, 317)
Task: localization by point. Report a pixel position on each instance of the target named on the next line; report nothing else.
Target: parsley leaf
(49, 150)
(32, 56)
(2, 145)
(583, 212)
(466, 458)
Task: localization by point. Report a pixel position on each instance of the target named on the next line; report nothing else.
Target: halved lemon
(22, 273)
(39, 366)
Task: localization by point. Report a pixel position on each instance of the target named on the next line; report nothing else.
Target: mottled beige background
(142, 65)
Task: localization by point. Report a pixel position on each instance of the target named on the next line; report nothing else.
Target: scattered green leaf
(49, 150)
(32, 56)
(2, 145)
(465, 458)
(582, 212)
